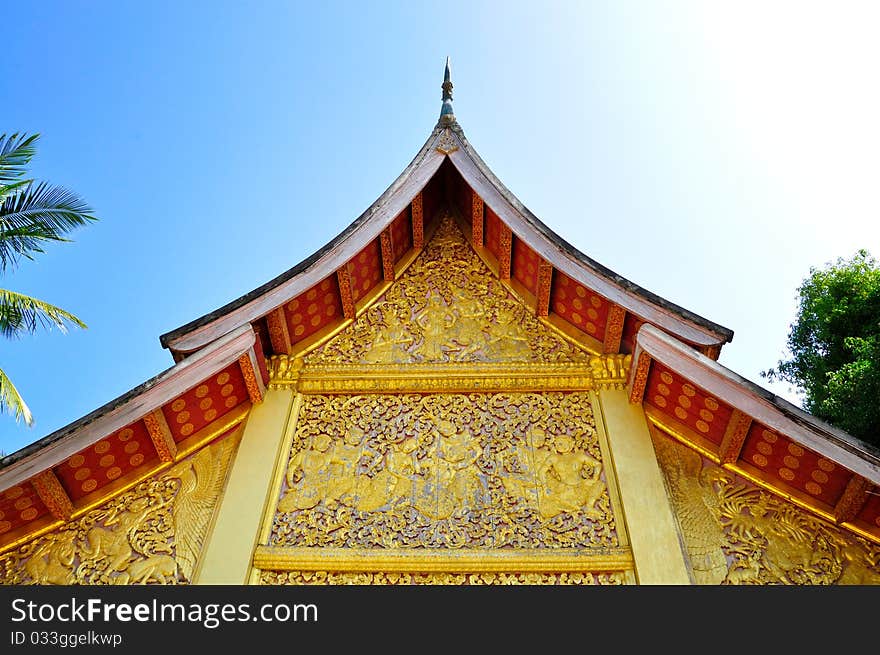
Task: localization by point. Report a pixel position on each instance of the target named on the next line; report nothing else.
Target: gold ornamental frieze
(511, 560)
(151, 534)
(482, 471)
(447, 307)
(606, 371)
(434, 578)
(737, 534)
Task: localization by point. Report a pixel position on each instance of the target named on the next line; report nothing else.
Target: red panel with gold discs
(365, 270)
(584, 309)
(491, 230)
(401, 234)
(525, 265)
(778, 457)
(110, 458)
(216, 396)
(312, 310)
(689, 405)
(20, 505)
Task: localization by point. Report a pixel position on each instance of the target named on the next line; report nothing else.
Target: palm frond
(21, 314)
(11, 401)
(7, 190)
(37, 213)
(16, 150)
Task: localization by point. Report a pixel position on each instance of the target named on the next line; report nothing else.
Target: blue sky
(710, 152)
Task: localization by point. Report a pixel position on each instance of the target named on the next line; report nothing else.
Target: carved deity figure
(343, 462)
(308, 476)
(389, 345)
(469, 325)
(51, 562)
(109, 544)
(436, 322)
(393, 482)
(506, 334)
(516, 471)
(458, 451)
(568, 479)
(448, 481)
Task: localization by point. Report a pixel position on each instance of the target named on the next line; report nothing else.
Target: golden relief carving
(151, 534)
(446, 307)
(447, 143)
(605, 372)
(433, 578)
(738, 534)
(464, 471)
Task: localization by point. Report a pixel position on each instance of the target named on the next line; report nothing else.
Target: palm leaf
(35, 214)
(21, 314)
(12, 187)
(16, 150)
(12, 402)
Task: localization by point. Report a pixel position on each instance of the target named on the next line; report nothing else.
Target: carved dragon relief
(736, 533)
(447, 307)
(151, 534)
(448, 471)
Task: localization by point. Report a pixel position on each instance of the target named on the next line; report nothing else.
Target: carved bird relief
(697, 509)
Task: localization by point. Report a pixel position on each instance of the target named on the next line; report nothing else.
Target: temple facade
(446, 393)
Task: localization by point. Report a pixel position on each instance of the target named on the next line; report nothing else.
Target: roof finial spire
(446, 113)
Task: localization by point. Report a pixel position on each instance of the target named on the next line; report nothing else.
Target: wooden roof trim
(568, 259)
(759, 403)
(57, 447)
(367, 227)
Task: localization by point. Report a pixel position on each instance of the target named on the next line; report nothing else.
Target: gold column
(650, 522)
(229, 550)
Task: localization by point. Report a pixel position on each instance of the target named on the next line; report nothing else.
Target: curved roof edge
(759, 403)
(368, 225)
(57, 446)
(555, 246)
(440, 145)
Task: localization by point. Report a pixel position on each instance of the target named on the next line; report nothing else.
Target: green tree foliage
(31, 214)
(834, 344)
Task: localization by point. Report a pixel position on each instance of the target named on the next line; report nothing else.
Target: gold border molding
(273, 558)
(600, 372)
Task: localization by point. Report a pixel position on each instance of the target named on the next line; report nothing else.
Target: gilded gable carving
(336, 578)
(486, 471)
(736, 533)
(447, 307)
(151, 534)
